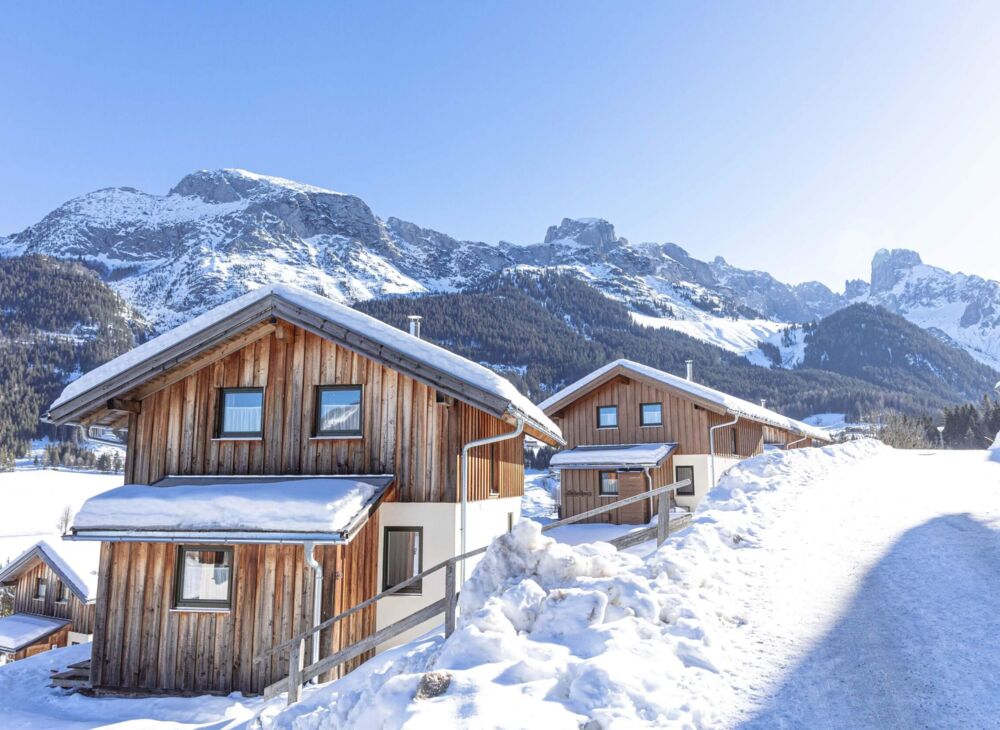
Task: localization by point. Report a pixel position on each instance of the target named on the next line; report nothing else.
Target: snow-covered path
(879, 595)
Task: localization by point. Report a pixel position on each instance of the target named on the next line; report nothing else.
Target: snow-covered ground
(32, 502)
(850, 586)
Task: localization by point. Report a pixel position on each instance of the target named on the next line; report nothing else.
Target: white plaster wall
(486, 519)
(702, 475)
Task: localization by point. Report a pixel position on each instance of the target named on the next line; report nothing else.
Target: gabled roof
(624, 456)
(75, 565)
(243, 509)
(451, 374)
(710, 398)
(24, 629)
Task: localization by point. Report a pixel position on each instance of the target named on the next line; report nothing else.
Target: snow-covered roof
(725, 402)
(76, 565)
(24, 629)
(612, 457)
(237, 509)
(422, 357)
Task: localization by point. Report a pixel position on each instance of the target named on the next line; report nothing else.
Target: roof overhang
(385, 484)
(21, 630)
(625, 456)
(106, 400)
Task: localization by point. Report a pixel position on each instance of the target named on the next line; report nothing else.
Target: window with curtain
(204, 577)
(651, 414)
(607, 416)
(402, 558)
(608, 484)
(241, 412)
(338, 410)
(681, 473)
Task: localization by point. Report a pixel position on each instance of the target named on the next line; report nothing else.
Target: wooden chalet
(288, 457)
(54, 591)
(630, 428)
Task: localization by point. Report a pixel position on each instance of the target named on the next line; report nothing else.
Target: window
(241, 412)
(651, 414)
(680, 474)
(338, 410)
(736, 449)
(494, 470)
(403, 558)
(41, 588)
(204, 577)
(62, 593)
(607, 416)
(608, 484)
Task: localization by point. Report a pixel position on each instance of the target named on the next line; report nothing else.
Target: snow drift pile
(555, 635)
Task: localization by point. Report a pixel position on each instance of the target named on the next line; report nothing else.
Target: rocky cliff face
(218, 233)
(960, 309)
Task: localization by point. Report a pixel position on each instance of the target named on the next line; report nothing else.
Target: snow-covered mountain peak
(889, 266)
(592, 232)
(229, 185)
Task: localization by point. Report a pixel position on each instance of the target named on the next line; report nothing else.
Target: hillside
(57, 319)
(544, 330)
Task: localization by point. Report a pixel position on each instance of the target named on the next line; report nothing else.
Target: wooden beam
(173, 376)
(123, 404)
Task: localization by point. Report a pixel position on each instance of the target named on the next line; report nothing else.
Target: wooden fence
(299, 674)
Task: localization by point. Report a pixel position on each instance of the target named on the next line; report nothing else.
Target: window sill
(238, 438)
(200, 610)
(608, 496)
(404, 594)
(336, 438)
(651, 425)
(607, 428)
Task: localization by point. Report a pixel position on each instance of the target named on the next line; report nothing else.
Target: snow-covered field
(852, 586)
(33, 501)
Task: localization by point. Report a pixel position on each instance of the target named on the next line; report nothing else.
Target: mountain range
(218, 233)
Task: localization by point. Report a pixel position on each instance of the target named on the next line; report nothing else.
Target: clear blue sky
(792, 137)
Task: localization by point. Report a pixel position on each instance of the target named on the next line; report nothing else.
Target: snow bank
(557, 635)
(300, 505)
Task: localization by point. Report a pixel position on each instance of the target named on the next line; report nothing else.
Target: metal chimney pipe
(690, 369)
(415, 324)
(763, 402)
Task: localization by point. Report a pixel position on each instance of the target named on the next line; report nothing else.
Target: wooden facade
(80, 614)
(409, 429)
(685, 423)
(143, 643)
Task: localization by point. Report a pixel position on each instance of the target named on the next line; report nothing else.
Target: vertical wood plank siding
(81, 614)
(684, 423)
(405, 430)
(142, 643)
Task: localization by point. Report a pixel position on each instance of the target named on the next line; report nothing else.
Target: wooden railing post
(663, 519)
(451, 598)
(295, 665)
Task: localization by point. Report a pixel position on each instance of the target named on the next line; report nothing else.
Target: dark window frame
(598, 414)
(220, 426)
(320, 433)
(414, 589)
(684, 491)
(41, 589)
(494, 486)
(182, 604)
(642, 414)
(736, 441)
(600, 484)
(62, 592)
